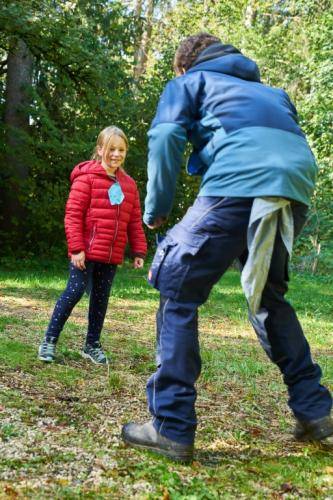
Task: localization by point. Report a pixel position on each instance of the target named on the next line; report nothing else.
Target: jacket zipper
(92, 236)
(115, 234)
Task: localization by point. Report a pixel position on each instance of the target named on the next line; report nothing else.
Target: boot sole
(318, 435)
(310, 438)
(325, 442)
(173, 455)
(87, 356)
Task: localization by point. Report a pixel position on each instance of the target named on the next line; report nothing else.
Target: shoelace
(98, 352)
(47, 348)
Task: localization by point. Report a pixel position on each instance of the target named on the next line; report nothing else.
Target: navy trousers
(188, 262)
(97, 277)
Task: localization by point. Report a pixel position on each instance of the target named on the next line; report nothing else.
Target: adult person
(258, 174)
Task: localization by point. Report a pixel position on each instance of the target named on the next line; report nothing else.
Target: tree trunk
(138, 20)
(251, 12)
(142, 53)
(138, 8)
(16, 118)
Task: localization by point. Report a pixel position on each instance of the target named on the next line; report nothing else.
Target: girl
(102, 213)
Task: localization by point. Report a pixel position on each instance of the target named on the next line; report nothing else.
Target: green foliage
(291, 42)
(80, 71)
(83, 80)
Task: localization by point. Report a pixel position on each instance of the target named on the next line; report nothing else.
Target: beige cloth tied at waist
(268, 215)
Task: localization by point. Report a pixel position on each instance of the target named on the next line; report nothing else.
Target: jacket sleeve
(167, 140)
(135, 232)
(76, 208)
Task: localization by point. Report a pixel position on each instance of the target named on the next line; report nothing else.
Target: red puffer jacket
(94, 225)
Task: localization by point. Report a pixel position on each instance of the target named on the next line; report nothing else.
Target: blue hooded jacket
(245, 135)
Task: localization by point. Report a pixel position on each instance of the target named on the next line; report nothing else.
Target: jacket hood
(228, 60)
(91, 167)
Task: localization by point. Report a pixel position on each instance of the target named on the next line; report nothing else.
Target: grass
(60, 423)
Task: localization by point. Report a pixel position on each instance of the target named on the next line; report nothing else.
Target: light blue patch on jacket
(259, 161)
(116, 195)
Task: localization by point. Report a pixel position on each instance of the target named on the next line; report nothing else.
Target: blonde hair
(104, 141)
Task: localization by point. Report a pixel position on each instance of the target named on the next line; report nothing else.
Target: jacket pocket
(92, 236)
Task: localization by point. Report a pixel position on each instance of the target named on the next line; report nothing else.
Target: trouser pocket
(172, 261)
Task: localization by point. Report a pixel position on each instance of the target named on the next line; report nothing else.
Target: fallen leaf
(255, 431)
(63, 481)
(166, 495)
(99, 463)
(253, 470)
(10, 491)
(286, 487)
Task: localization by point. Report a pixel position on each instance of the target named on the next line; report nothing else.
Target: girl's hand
(78, 260)
(138, 263)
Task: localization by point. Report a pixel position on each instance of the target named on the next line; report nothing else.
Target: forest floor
(60, 423)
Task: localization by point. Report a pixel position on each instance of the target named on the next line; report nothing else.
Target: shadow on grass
(124, 287)
(306, 292)
(217, 458)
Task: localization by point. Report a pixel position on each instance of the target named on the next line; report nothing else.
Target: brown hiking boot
(320, 430)
(145, 436)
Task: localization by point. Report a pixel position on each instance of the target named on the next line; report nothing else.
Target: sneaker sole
(173, 455)
(46, 360)
(87, 356)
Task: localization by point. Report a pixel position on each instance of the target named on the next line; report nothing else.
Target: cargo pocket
(172, 262)
(160, 256)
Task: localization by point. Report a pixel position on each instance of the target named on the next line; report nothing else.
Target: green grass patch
(17, 355)
(61, 422)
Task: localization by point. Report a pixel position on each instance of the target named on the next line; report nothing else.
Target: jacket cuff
(140, 255)
(75, 251)
(149, 218)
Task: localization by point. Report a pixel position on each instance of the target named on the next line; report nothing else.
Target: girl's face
(114, 156)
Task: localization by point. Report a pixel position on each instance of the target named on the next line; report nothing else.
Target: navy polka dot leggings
(97, 279)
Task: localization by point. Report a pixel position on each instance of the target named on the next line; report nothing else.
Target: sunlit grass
(61, 422)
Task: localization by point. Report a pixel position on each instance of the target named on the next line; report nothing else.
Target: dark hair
(190, 48)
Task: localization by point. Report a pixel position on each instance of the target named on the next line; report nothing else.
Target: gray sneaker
(95, 353)
(46, 351)
(146, 436)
